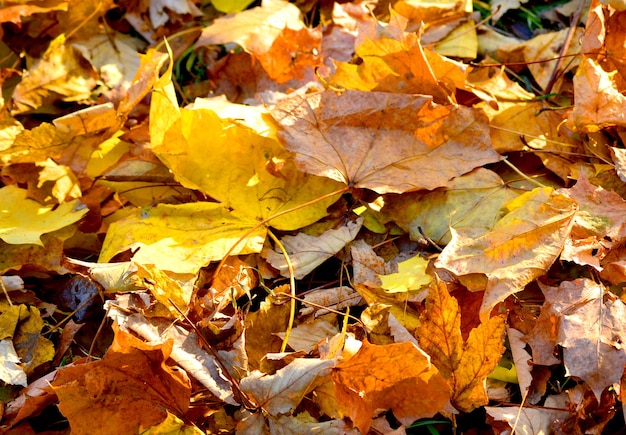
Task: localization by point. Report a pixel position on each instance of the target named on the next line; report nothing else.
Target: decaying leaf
(577, 317)
(307, 252)
(61, 74)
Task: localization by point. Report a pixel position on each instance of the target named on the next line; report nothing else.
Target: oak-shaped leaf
(520, 247)
(382, 141)
(465, 364)
(388, 377)
(130, 389)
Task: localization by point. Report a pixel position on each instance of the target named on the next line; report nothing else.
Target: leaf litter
(320, 217)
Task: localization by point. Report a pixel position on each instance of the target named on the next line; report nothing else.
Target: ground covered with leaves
(312, 217)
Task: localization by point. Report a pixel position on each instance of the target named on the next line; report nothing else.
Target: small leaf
(411, 275)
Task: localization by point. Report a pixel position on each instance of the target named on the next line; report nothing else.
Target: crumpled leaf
(60, 75)
(181, 238)
(22, 347)
(411, 275)
(24, 221)
(520, 247)
(600, 103)
(531, 421)
(307, 252)
(465, 364)
(388, 377)
(111, 394)
(381, 141)
(586, 320)
(14, 11)
(293, 54)
(281, 392)
(305, 423)
(186, 350)
(10, 370)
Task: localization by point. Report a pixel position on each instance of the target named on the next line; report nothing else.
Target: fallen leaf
(599, 224)
(163, 236)
(254, 29)
(387, 377)
(305, 423)
(281, 392)
(383, 142)
(254, 188)
(111, 394)
(582, 317)
(15, 11)
(186, 351)
(391, 65)
(520, 247)
(60, 75)
(24, 221)
(463, 363)
(473, 200)
(307, 252)
(292, 54)
(411, 276)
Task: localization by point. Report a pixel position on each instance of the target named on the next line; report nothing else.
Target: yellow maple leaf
(464, 364)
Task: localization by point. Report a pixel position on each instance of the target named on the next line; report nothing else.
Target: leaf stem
(292, 285)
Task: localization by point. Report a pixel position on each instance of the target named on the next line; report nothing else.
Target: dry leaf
(585, 320)
(465, 364)
(111, 394)
(281, 392)
(387, 377)
(522, 245)
(383, 142)
(60, 75)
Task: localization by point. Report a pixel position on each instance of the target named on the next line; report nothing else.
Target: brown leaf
(388, 377)
(129, 390)
(599, 224)
(383, 142)
(464, 364)
(281, 392)
(585, 320)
